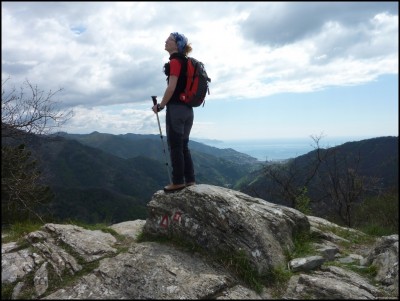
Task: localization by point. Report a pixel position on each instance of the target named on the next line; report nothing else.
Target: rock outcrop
(70, 262)
(224, 220)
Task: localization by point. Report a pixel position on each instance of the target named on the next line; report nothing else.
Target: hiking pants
(179, 121)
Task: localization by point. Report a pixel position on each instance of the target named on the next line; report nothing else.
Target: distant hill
(223, 167)
(133, 145)
(99, 177)
(378, 157)
(103, 177)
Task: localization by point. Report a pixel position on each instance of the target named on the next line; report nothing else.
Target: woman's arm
(173, 80)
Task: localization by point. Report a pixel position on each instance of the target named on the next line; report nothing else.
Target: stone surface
(224, 220)
(213, 217)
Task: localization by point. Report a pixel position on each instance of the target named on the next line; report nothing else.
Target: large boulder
(228, 221)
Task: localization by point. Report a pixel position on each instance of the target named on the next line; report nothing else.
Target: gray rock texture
(70, 262)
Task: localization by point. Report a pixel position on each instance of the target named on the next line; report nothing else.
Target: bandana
(181, 41)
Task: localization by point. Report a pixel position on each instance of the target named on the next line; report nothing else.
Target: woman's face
(170, 44)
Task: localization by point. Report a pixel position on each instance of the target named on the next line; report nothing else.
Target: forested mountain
(368, 166)
(102, 177)
(110, 178)
(132, 145)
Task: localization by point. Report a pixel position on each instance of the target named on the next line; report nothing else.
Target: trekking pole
(162, 140)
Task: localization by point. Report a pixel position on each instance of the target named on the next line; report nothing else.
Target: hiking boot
(190, 184)
(174, 187)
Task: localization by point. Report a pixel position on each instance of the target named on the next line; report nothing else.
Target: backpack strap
(182, 79)
(194, 72)
(182, 58)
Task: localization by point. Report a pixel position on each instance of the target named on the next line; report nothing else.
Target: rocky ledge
(70, 262)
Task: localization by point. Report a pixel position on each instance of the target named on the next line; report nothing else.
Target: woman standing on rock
(179, 116)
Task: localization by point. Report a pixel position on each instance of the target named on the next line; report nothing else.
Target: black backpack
(196, 83)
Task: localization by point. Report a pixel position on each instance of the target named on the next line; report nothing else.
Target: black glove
(159, 108)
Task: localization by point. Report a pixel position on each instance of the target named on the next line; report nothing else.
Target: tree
(22, 193)
(32, 113)
(341, 182)
(24, 115)
(336, 177)
(291, 180)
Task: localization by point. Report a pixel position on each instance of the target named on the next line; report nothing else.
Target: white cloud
(112, 53)
(113, 120)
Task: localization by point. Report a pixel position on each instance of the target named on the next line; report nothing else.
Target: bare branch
(25, 112)
(33, 113)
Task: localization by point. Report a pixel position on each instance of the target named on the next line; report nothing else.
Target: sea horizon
(274, 149)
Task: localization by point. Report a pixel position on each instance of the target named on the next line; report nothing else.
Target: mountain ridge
(98, 166)
(131, 145)
(79, 173)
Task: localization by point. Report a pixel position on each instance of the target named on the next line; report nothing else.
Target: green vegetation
(67, 278)
(21, 191)
(303, 246)
(379, 215)
(277, 279)
(354, 184)
(96, 205)
(236, 262)
(369, 272)
(111, 178)
(239, 264)
(354, 237)
(303, 202)
(16, 231)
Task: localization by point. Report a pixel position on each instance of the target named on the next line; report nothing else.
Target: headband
(180, 40)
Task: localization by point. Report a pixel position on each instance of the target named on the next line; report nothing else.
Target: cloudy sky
(278, 69)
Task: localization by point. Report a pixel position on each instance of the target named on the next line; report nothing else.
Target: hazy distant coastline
(277, 148)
